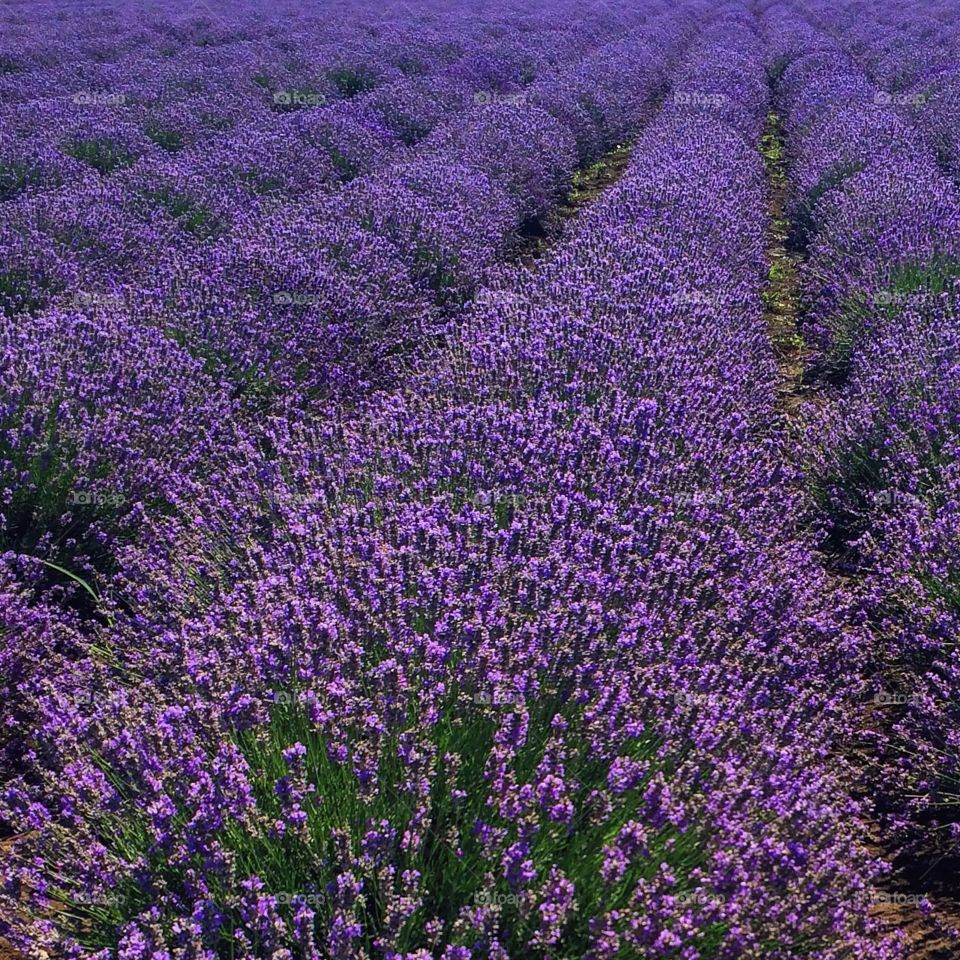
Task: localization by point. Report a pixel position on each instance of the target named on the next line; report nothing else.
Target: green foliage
(45, 481)
(771, 148)
(450, 859)
(412, 133)
(846, 330)
(932, 278)
(17, 177)
(777, 69)
(411, 67)
(803, 226)
(859, 479)
(169, 140)
(212, 120)
(257, 391)
(102, 154)
(345, 167)
(590, 181)
(194, 217)
(845, 494)
(351, 81)
(23, 291)
(908, 283)
(52, 513)
(945, 589)
(261, 182)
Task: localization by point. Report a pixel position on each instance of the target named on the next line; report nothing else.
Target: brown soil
(8, 953)
(930, 936)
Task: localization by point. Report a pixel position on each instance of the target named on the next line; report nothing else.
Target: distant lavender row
(245, 51)
(166, 204)
(868, 199)
(913, 59)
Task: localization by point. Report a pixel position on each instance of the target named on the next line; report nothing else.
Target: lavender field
(479, 481)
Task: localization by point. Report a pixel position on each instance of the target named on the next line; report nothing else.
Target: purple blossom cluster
(372, 589)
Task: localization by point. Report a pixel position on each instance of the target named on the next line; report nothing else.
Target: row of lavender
(911, 55)
(125, 210)
(116, 406)
(152, 88)
(524, 659)
(881, 221)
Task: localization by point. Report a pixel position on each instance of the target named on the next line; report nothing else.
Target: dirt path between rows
(782, 296)
(589, 183)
